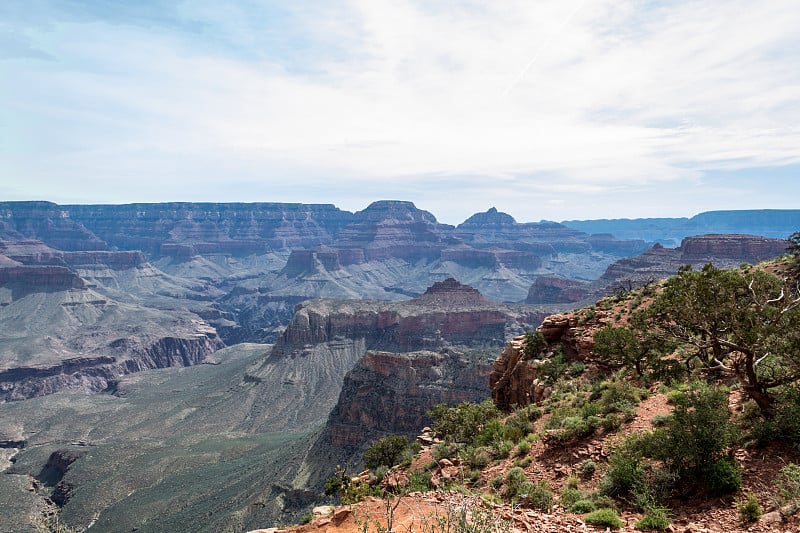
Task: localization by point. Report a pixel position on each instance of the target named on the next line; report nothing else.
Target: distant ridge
(774, 223)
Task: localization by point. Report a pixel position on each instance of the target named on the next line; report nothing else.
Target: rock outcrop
(723, 251)
(391, 393)
(555, 289)
(104, 365)
(448, 313)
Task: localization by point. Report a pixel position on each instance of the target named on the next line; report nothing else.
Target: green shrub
(523, 447)
(513, 482)
(604, 518)
(534, 344)
(572, 482)
(445, 450)
(602, 501)
(655, 518)
(419, 481)
(749, 509)
(722, 477)
(582, 506)
(538, 496)
(574, 427)
(577, 368)
(477, 457)
(503, 449)
(611, 422)
(626, 472)
(388, 451)
(697, 436)
(674, 397)
(569, 496)
(661, 420)
(618, 347)
(534, 412)
(553, 367)
(497, 481)
(587, 469)
(462, 422)
(788, 483)
(523, 462)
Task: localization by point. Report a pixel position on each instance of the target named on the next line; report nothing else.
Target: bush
(697, 435)
(618, 347)
(604, 518)
(587, 469)
(517, 426)
(788, 483)
(749, 509)
(655, 518)
(523, 462)
(514, 480)
(477, 457)
(445, 450)
(582, 506)
(533, 345)
(569, 496)
(661, 419)
(574, 427)
(388, 451)
(626, 472)
(419, 481)
(462, 422)
(538, 496)
(553, 367)
(723, 477)
(611, 422)
(523, 448)
(674, 397)
(503, 449)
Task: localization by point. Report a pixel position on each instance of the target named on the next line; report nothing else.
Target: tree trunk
(762, 398)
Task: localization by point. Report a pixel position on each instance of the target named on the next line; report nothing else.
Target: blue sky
(547, 110)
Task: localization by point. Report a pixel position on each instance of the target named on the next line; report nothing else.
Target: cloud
(549, 98)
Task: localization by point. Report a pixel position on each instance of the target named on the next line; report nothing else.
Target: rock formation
(723, 251)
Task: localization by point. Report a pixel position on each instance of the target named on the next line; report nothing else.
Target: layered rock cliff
(60, 331)
(434, 348)
(391, 393)
(448, 313)
(723, 251)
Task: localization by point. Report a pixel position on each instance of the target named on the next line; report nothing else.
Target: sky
(546, 110)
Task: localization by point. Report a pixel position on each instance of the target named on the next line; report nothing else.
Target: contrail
(542, 47)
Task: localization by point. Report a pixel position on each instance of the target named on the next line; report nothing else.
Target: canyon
(236, 353)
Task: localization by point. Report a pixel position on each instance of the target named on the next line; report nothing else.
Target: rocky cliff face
(99, 369)
(774, 223)
(61, 332)
(515, 381)
(175, 228)
(390, 250)
(723, 251)
(434, 348)
(390, 393)
(448, 313)
(741, 248)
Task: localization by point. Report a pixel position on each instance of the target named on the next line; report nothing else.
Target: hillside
(657, 447)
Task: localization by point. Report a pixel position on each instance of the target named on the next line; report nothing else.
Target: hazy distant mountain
(776, 223)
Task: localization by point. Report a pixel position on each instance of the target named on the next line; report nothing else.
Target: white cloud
(569, 98)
